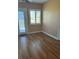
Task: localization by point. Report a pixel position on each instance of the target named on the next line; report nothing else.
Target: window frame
(35, 17)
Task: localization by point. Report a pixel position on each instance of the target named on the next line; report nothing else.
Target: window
(21, 21)
(35, 16)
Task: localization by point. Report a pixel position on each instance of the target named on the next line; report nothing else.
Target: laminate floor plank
(38, 46)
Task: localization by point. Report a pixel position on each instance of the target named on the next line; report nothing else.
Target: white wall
(51, 17)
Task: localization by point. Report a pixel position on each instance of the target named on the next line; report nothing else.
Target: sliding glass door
(21, 21)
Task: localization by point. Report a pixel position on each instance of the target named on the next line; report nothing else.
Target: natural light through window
(21, 21)
(32, 16)
(35, 16)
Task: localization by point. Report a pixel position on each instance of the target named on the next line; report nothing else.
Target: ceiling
(37, 1)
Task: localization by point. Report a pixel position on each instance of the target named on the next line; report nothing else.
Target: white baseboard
(34, 32)
(50, 35)
(44, 33)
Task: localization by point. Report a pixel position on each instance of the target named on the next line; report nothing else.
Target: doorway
(22, 21)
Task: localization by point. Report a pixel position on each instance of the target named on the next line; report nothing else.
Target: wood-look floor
(38, 46)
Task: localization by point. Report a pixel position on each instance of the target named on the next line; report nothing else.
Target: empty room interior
(38, 29)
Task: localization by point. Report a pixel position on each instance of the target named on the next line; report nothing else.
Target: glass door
(21, 21)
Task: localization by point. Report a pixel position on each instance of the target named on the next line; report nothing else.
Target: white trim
(50, 35)
(44, 33)
(34, 32)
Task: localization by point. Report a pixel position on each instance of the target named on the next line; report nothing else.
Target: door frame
(25, 20)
